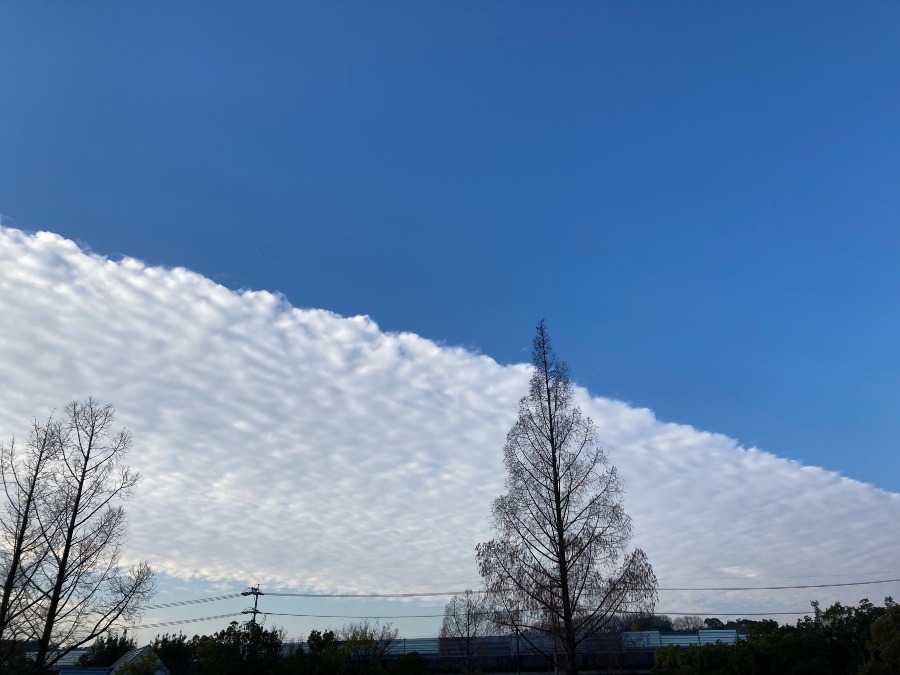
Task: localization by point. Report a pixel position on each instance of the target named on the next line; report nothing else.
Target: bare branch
(66, 526)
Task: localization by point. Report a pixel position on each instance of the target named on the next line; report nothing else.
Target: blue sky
(701, 199)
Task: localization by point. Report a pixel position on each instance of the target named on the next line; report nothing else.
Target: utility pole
(255, 592)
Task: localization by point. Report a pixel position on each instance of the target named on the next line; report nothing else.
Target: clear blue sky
(701, 198)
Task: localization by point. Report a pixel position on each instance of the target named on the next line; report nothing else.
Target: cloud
(306, 450)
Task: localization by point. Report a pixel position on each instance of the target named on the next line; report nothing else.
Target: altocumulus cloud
(312, 451)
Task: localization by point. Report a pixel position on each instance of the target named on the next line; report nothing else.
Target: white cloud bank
(305, 450)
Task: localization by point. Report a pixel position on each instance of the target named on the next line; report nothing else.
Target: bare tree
(468, 622)
(365, 643)
(26, 478)
(558, 565)
(687, 624)
(65, 512)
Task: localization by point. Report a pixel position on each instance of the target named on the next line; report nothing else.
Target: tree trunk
(62, 569)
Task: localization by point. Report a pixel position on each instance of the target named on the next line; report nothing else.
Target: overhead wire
(784, 588)
(429, 594)
(435, 594)
(796, 576)
(163, 624)
(180, 603)
(680, 589)
(349, 616)
(438, 616)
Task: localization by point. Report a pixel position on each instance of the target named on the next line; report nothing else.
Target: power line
(438, 616)
(183, 621)
(182, 603)
(431, 594)
(348, 616)
(796, 576)
(824, 575)
(430, 616)
(361, 595)
(783, 588)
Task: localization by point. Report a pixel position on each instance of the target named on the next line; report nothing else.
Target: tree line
(841, 640)
(357, 648)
